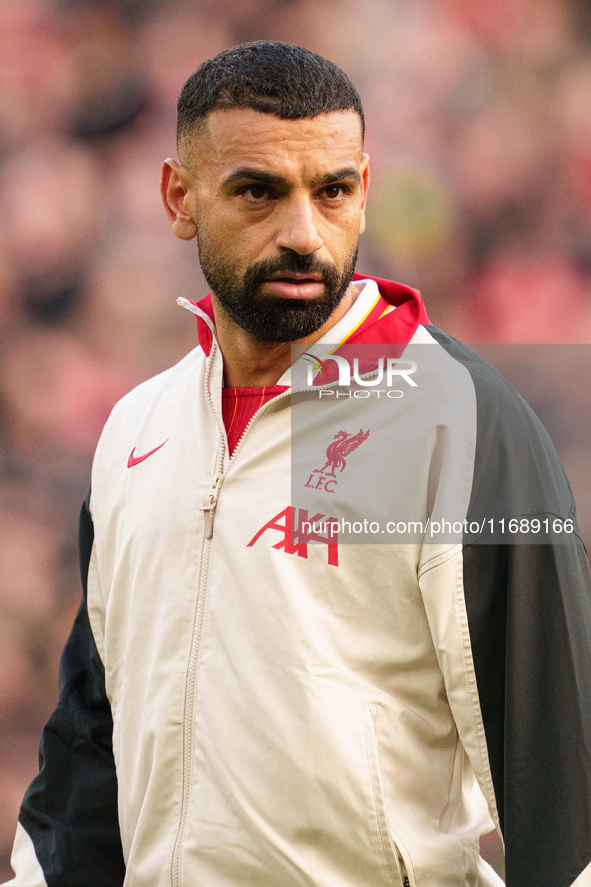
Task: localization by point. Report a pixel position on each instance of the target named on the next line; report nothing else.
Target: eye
(255, 193)
(335, 192)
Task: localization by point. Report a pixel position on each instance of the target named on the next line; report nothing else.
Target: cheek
(229, 248)
(340, 238)
(216, 238)
(240, 233)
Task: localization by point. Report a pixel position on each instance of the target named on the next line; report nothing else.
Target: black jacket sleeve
(70, 809)
(528, 601)
(529, 610)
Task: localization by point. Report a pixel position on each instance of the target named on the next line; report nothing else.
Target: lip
(294, 286)
(295, 275)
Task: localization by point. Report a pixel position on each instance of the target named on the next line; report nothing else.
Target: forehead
(237, 137)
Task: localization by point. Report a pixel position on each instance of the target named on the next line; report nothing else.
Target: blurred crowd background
(479, 131)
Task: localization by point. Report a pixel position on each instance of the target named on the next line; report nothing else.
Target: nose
(298, 231)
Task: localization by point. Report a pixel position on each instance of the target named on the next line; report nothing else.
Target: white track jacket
(245, 704)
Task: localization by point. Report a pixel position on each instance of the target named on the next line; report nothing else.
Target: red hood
(398, 327)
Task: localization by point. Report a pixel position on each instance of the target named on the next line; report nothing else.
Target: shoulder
(160, 392)
(152, 406)
(501, 409)
(517, 470)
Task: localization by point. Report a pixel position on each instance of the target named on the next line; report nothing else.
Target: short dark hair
(268, 76)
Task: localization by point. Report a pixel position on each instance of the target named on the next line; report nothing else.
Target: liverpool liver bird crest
(342, 445)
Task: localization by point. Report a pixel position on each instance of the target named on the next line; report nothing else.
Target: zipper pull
(208, 509)
(209, 505)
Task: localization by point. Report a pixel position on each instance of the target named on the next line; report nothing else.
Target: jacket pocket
(397, 861)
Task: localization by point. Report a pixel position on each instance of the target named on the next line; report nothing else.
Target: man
(240, 706)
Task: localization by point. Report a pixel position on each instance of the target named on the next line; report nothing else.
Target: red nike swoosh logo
(135, 460)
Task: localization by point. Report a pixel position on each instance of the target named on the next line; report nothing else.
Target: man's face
(278, 208)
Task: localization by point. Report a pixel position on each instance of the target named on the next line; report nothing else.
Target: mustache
(293, 262)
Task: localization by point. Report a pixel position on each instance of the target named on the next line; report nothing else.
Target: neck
(249, 362)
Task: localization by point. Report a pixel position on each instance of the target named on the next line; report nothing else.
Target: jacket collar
(392, 316)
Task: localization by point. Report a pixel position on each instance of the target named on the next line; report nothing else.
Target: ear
(364, 171)
(176, 190)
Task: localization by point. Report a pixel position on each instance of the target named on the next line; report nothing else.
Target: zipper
(191, 682)
(402, 867)
(188, 712)
(389, 841)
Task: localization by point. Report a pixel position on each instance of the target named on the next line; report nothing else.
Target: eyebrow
(247, 174)
(348, 172)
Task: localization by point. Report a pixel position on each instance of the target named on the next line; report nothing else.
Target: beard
(271, 318)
